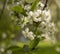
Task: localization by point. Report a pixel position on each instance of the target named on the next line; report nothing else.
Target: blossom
(27, 7)
(41, 17)
(28, 34)
(47, 15)
(35, 16)
(41, 4)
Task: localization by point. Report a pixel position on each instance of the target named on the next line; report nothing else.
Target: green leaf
(19, 9)
(13, 48)
(34, 4)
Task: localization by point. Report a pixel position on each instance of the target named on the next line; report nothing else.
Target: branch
(4, 5)
(36, 40)
(45, 4)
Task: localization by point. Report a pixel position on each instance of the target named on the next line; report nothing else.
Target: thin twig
(2, 11)
(45, 4)
(38, 25)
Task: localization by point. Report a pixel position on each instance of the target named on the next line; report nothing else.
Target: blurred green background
(12, 30)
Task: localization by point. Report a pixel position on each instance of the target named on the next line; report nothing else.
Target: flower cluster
(41, 18)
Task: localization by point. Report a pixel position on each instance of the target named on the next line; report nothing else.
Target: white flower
(39, 19)
(46, 15)
(25, 32)
(36, 14)
(28, 34)
(31, 13)
(31, 36)
(39, 11)
(43, 23)
(41, 4)
(35, 19)
(27, 7)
